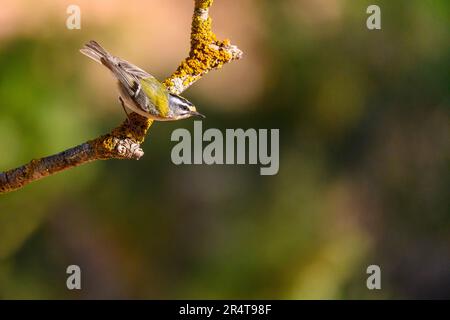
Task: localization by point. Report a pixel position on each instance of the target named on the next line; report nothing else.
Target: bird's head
(181, 108)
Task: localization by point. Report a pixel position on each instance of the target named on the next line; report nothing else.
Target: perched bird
(139, 91)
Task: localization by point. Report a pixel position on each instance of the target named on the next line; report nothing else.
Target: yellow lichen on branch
(132, 130)
(203, 4)
(206, 52)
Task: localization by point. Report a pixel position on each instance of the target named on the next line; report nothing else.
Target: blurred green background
(364, 154)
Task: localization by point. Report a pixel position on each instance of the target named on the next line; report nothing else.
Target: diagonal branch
(206, 53)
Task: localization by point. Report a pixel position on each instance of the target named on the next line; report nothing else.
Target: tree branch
(206, 53)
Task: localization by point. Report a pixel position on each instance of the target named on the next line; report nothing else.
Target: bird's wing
(95, 51)
(132, 69)
(135, 84)
(126, 72)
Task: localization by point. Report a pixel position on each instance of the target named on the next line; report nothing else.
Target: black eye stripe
(180, 99)
(184, 106)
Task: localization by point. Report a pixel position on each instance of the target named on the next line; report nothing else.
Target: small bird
(139, 91)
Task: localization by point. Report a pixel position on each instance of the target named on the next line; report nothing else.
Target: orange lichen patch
(201, 31)
(198, 63)
(206, 51)
(203, 4)
(103, 144)
(136, 129)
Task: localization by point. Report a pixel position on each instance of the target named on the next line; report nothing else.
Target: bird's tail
(97, 53)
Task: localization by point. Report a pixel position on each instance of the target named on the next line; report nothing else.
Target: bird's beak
(198, 114)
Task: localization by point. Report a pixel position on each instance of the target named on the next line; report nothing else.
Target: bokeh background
(364, 154)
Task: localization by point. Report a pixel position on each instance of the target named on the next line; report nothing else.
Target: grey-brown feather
(126, 73)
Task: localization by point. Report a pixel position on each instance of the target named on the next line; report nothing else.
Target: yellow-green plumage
(157, 94)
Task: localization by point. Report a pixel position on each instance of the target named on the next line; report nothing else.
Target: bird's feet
(122, 103)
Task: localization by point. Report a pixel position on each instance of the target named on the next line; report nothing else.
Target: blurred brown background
(364, 154)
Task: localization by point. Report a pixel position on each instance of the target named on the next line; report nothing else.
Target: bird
(139, 91)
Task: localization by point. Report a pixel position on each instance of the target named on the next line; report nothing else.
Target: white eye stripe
(180, 101)
(184, 103)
